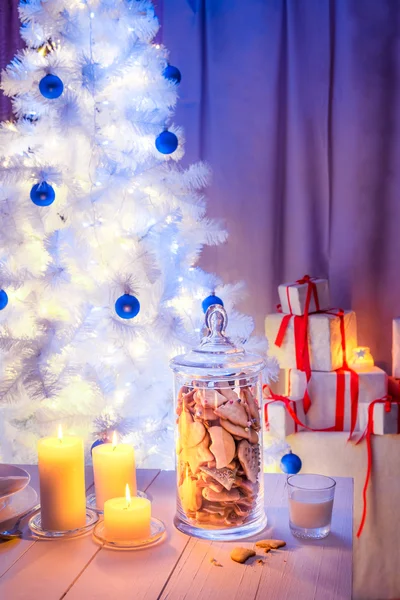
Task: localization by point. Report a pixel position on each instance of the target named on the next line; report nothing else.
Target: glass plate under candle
(91, 501)
(35, 525)
(157, 531)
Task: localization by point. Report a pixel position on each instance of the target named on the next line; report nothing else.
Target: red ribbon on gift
(341, 381)
(367, 435)
(271, 397)
(310, 281)
(300, 334)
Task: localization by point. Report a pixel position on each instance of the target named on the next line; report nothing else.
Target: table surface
(181, 567)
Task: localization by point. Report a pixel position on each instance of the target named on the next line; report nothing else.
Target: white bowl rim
(13, 471)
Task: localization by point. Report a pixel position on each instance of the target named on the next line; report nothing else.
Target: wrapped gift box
(292, 297)
(279, 421)
(384, 421)
(324, 340)
(396, 347)
(322, 389)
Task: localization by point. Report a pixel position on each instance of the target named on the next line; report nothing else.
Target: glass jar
(219, 442)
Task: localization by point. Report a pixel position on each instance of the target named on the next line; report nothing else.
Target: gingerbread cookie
(233, 412)
(270, 544)
(240, 555)
(197, 455)
(249, 457)
(224, 496)
(225, 476)
(209, 398)
(191, 433)
(240, 432)
(222, 446)
(251, 402)
(206, 414)
(229, 394)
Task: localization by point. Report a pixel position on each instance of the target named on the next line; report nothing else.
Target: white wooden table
(181, 568)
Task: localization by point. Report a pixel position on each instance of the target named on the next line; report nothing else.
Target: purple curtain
(294, 104)
(10, 42)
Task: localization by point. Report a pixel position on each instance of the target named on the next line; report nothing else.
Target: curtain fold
(297, 113)
(10, 42)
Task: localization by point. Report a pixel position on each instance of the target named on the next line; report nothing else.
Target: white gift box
(396, 347)
(383, 421)
(324, 340)
(372, 384)
(293, 296)
(279, 421)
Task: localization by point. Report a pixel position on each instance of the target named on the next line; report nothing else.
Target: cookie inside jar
(218, 453)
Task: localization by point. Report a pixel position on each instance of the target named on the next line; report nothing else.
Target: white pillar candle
(113, 467)
(62, 483)
(127, 518)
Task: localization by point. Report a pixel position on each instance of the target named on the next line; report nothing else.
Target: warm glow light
(362, 357)
(115, 440)
(128, 496)
(60, 433)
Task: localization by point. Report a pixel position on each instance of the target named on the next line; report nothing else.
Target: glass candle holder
(310, 505)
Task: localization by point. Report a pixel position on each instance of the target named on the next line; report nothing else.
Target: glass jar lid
(217, 357)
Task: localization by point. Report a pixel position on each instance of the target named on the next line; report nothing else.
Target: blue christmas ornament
(127, 306)
(172, 73)
(166, 142)
(96, 443)
(51, 86)
(209, 301)
(291, 463)
(42, 194)
(3, 299)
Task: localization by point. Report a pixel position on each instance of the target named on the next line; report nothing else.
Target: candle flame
(60, 433)
(128, 495)
(114, 440)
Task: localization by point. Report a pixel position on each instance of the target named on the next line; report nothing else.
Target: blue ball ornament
(127, 306)
(42, 194)
(51, 86)
(209, 301)
(166, 142)
(3, 299)
(96, 443)
(172, 73)
(291, 463)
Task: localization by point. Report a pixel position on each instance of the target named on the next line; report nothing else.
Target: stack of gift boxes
(328, 380)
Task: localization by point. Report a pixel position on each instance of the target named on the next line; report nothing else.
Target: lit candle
(62, 482)
(127, 518)
(114, 467)
(362, 358)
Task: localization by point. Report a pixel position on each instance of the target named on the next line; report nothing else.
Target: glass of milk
(310, 505)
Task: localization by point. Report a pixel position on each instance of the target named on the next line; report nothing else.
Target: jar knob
(216, 322)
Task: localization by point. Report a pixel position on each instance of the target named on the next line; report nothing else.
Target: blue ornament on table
(209, 301)
(166, 142)
(96, 443)
(3, 299)
(291, 463)
(127, 306)
(172, 73)
(42, 194)
(51, 86)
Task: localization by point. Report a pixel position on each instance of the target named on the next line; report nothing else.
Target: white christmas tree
(101, 231)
